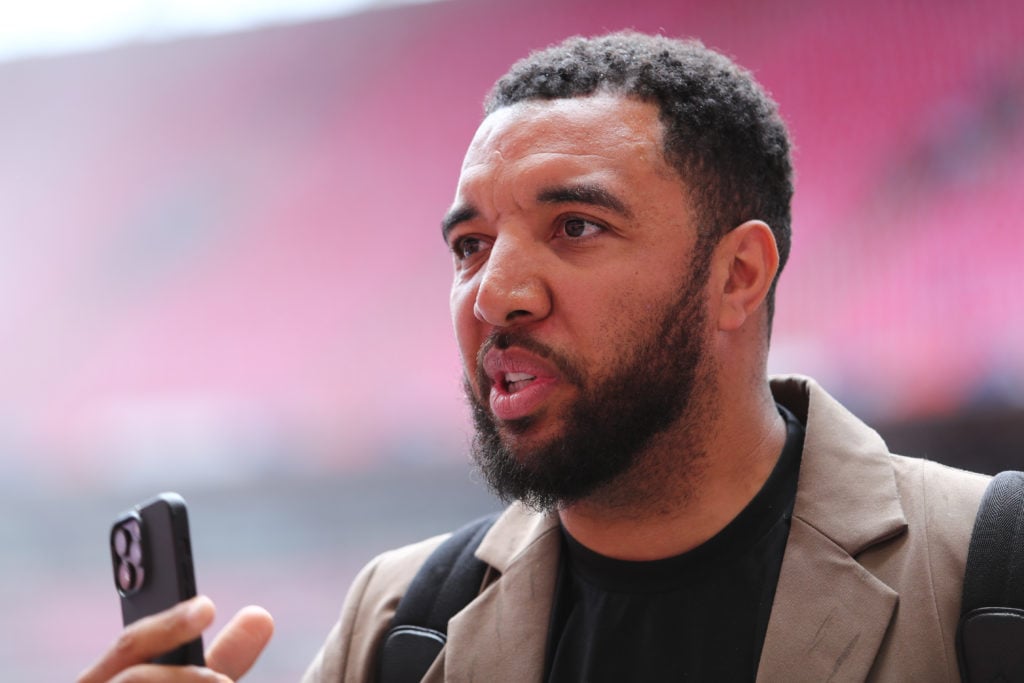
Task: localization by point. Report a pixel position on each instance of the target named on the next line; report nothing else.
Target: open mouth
(516, 381)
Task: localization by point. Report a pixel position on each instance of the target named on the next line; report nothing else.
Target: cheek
(630, 315)
(465, 324)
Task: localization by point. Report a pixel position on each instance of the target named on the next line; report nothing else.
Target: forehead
(603, 127)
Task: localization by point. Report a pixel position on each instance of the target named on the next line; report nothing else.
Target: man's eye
(465, 247)
(580, 227)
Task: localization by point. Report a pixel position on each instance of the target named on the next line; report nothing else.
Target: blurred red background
(222, 272)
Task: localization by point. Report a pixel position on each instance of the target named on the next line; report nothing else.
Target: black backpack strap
(448, 581)
(990, 637)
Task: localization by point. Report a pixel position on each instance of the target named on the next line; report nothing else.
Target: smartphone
(151, 554)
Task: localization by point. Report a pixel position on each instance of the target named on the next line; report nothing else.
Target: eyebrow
(457, 214)
(585, 193)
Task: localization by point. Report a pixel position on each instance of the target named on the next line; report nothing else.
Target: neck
(684, 490)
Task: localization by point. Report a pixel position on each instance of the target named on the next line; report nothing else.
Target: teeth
(514, 381)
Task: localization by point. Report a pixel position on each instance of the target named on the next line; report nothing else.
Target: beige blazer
(869, 587)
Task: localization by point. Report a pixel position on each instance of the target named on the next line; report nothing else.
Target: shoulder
(850, 480)
(925, 564)
(906, 521)
(349, 652)
(946, 494)
(940, 504)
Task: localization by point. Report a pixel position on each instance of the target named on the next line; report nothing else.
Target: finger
(159, 673)
(240, 642)
(152, 636)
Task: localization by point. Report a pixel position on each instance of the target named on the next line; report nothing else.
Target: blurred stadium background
(221, 274)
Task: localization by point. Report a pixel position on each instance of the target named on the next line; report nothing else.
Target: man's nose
(513, 289)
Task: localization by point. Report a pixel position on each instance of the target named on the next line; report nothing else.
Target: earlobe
(750, 258)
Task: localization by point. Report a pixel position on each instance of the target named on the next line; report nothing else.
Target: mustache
(506, 339)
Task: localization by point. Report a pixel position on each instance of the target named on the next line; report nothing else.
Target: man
(618, 227)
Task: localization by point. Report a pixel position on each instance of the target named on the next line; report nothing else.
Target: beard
(607, 431)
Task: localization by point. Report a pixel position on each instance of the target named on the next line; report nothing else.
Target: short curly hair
(722, 131)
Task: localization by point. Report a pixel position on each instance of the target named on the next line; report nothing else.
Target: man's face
(578, 297)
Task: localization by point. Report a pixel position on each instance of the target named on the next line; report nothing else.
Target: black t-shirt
(699, 616)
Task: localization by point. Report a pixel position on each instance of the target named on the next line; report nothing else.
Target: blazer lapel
(829, 617)
(830, 614)
(487, 640)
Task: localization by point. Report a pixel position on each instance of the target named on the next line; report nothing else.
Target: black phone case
(161, 566)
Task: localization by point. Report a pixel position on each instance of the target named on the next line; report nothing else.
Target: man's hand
(232, 653)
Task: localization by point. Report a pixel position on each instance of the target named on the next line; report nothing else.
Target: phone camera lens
(126, 579)
(132, 526)
(122, 541)
(135, 552)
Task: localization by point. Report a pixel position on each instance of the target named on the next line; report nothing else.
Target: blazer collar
(830, 614)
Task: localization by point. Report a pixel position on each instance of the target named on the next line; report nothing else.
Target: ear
(748, 260)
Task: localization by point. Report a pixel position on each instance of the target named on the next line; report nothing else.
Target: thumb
(240, 642)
